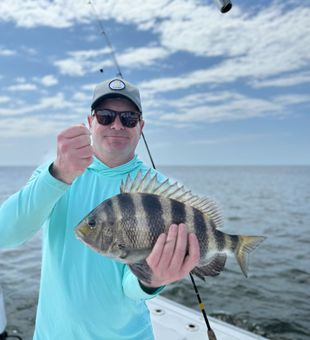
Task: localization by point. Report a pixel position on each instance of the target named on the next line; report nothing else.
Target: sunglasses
(128, 119)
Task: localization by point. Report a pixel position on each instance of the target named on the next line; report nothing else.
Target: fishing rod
(225, 6)
(119, 72)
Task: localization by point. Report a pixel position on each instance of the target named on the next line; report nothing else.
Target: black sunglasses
(129, 119)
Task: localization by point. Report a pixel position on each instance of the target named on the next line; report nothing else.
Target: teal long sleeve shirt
(83, 295)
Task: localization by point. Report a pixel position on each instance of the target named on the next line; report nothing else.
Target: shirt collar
(100, 167)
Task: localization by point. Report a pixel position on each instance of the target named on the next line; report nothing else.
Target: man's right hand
(74, 153)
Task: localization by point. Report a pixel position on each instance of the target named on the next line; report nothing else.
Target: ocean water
(271, 201)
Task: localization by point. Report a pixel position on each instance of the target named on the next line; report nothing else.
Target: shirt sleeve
(23, 214)
(133, 289)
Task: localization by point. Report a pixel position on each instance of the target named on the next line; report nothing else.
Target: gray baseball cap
(116, 88)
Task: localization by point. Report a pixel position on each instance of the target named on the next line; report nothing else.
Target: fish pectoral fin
(123, 253)
(213, 268)
(142, 271)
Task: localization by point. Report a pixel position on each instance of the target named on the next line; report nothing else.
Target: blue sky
(216, 89)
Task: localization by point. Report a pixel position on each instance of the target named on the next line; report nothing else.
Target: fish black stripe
(234, 241)
(201, 231)
(128, 211)
(109, 210)
(153, 213)
(219, 239)
(126, 204)
(178, 212)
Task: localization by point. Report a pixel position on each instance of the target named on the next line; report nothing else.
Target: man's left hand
(173, 256)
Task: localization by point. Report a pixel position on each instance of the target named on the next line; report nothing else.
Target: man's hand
(173, 256)
(74, 153)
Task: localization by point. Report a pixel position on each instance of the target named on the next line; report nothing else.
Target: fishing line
(107, 40)
(211, 334)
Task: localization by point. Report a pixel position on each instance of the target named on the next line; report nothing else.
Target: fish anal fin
(142, 271)
(197, 272)
(213, 268)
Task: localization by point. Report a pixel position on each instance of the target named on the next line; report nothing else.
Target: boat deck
(177, 322)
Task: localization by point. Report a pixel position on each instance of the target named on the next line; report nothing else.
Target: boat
(3, 320)
(174, 321)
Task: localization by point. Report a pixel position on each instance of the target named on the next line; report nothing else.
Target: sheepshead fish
(126, 226)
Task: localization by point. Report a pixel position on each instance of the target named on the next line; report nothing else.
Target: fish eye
(92, 223)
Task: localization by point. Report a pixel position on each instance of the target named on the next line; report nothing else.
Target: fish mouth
(82, 231)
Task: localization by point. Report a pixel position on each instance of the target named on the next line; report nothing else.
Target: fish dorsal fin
(150, 184)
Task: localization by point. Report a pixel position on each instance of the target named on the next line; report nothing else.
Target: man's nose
(117, 124)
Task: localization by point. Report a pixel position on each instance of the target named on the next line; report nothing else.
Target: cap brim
(113, 95)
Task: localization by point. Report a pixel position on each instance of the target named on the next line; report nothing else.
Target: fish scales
(126, 226)
(139, 223)
(155, 217)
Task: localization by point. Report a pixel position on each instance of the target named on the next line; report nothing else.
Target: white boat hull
(177, 322)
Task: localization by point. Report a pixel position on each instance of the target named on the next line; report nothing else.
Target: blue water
(270, 201)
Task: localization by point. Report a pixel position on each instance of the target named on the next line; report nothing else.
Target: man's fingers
(74, 131)
(180, 248)
(192, 258)
(156, 253)
(83, 152)
(169, 245)
(173, 256)
(80, 141)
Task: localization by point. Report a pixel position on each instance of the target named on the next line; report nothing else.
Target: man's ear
(90, 120)
(141, 125)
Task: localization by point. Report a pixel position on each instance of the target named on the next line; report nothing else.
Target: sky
(217, 89)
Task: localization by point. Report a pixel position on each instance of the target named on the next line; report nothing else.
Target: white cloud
(30, 126)
(212, 108)
(31, 13)
(49, 80)
(29, 50)
(229, 139)
(89, 87)
(143, 56)
(5, 52)
(70, 67)
(293, 99)
(22, 87)
(4, 99)
(21, 80)
(82, 62)
(256, 45)
(265, 48)
(283, 81)
(45, 104)
(81, 97)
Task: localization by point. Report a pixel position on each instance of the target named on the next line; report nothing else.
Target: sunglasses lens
(105, 117)
(129, 119)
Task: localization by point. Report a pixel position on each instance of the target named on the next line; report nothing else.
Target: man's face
(114, 141)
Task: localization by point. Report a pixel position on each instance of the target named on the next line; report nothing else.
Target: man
(83, 295)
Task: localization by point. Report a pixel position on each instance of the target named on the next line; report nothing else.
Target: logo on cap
(117, 85)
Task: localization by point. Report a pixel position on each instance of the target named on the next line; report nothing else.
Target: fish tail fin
(245, 245)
